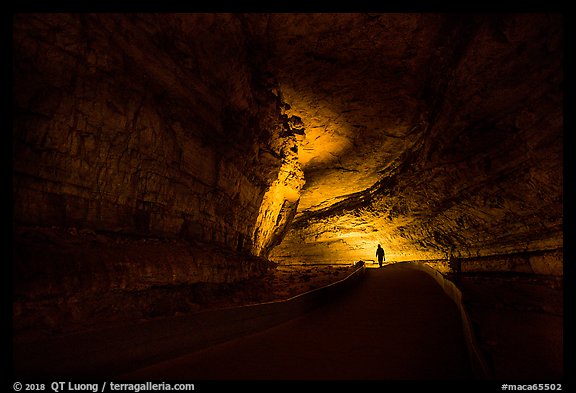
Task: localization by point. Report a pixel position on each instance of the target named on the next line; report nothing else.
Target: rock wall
(485, 176)
(143, 125)
(151, 126)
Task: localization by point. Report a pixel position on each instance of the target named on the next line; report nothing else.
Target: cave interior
(163, 160)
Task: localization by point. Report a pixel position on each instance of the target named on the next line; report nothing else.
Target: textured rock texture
(150, 126)
(429, 134)
(145, 127)
(177, 149)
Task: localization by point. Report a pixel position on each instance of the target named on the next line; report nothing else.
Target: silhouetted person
(380, 255)
(455, 264)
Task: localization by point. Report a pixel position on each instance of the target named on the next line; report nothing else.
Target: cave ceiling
(356, 81)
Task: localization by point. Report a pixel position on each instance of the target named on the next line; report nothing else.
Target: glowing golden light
(327, 148)
(283, 193)
(326, 154)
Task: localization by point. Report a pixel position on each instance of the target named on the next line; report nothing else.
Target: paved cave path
(396, 324)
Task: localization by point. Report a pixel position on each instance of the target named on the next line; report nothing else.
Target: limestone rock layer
(149, 126)
(430, 134)
(300, 138)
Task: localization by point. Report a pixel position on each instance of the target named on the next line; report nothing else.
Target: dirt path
(398, 324)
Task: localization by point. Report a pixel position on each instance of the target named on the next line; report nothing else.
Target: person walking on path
(380, 255)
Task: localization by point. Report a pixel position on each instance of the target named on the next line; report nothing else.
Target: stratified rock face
(148, 126)
(458, 132)
(152, 126)
(307, 138)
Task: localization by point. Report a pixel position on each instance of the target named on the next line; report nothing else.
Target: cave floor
(518, 319)
(397, 324)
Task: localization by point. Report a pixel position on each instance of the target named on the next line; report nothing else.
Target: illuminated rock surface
(424, 133)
